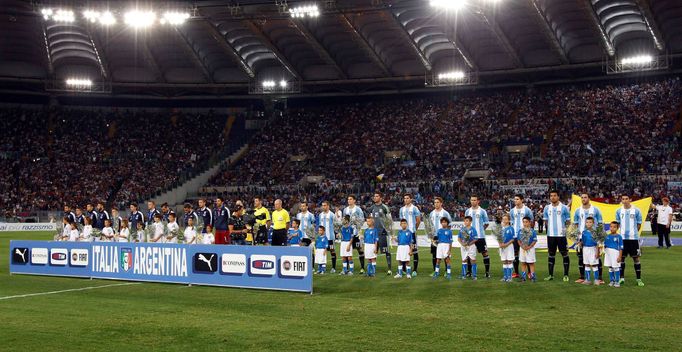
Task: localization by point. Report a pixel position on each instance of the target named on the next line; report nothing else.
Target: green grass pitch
(348, 313)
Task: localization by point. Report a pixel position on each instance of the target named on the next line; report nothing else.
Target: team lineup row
(259, 227)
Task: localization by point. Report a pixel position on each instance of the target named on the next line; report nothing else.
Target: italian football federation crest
(126, 259)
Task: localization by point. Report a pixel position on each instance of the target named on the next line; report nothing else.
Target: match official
(280, 224)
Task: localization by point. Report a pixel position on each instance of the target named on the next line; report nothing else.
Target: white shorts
(320, 256)
(507, 254)
(611, 258)
(369, 251)
(442, 251)
(344, 246)
(468, 251)
(527, 256)
(403, 253)
(590, 256)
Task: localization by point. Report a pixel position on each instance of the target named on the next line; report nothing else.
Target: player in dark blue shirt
(102, 215)
(80, 217)
(189, 213)
(135, 216)
(151, 211)
(165, 212)
(205, 213)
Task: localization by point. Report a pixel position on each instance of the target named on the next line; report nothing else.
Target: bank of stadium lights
(455, 5)
(139, 18)
(58, 15)
(105, 18)
(639, 60)
(78, 83)
(174, 18)
(305, 11)
(272, 84)
(451, 78)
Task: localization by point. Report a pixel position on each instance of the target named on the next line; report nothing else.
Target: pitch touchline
(69, 290)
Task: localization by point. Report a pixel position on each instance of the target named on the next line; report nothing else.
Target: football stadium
(327, 175)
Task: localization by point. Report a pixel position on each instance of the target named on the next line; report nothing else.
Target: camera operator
(262, 216)
(237, 227)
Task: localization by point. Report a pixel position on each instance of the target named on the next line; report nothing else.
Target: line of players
(622, 241)
(556, 215)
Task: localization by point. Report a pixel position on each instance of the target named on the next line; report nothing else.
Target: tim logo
(126, 259)
(59, 256)
(263, 264)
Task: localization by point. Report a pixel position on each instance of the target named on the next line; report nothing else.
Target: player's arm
(485, 220)
(639, 219)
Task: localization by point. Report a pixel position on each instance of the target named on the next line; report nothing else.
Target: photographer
(237, 227)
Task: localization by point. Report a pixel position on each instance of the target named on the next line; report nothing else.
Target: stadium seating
(617, 131)
(56, 156)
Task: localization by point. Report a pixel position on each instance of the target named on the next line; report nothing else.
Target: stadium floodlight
(451, 76)
(449, 4)
(639, 60)
(140, 18)
(78, 82)
(59, 15)
(47, 13)
(174, 18)
(305, 11)
(283, 83)
(107, 18)
(92, 16)
(269, 84)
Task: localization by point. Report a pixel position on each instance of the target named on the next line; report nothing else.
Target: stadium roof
(354, 45)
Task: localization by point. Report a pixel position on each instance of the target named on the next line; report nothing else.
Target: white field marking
(69, 290)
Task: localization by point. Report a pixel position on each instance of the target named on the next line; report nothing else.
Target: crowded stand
(56, 156)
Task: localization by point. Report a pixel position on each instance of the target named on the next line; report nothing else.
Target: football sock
(622, 268)
(616, 275)
(448, 269)
(567, 264)
(550, 264)
(334, 260)
(638, 270)
(486, 262)
(416, 260)
(588, 273)
(409, 270)
(350, 266)
(464, 269)
(361, 254)
(388, 259)
(599, 269)
(474, 269)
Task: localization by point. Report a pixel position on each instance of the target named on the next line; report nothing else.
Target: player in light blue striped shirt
(480, 223)
(434, 217)
(557, 216)
(327, 218)
(517, 213)
(586, 210)
(411, 213)
(354, 212)
(307, 220)
(630, 219)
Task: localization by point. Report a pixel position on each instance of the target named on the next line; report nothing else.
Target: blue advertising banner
(259, 267)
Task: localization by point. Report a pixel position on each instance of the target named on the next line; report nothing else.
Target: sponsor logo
(28, 227)
(126, 259)
(79, 257)
(20, 255)
(233, 263)
(58, 256)
(293, 265)
(39, 256)
(205, 262)
(263, 264)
